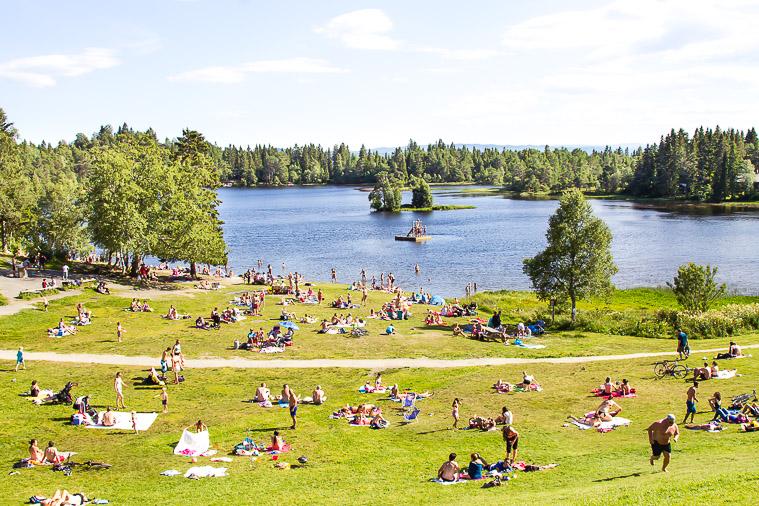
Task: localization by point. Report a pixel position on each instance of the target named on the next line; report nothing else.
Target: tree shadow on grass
(612, 478)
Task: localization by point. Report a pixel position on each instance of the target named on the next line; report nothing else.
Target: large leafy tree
(695, 287)
(386, 195)
(126, 187)
(577, 261)
(191, 229)
(421, 194)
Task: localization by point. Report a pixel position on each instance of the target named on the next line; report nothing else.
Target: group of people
(137, 306)
(172, 359)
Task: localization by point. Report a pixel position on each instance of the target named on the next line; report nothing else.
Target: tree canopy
(577, 261)
(695, 287)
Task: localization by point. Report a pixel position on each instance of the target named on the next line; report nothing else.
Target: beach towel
(530, 346)
(712, 427)
(372, 390)
(600, 393)
(193, 444)
(170, 472)
(615, 422)
(726, 374)
(272, 349)
(124, 421)
(205, 472)
(443, 482)
(44, 394)
(285, 448)
(519, 387)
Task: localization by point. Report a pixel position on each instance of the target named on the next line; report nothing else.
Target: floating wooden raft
(420, 238)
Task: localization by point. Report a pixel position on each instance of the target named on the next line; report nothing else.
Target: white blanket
(193, 444)
(124, 421)
(726, 374)
(205, 472)
(617, 421)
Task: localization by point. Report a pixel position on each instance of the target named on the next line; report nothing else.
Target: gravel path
(378, 364)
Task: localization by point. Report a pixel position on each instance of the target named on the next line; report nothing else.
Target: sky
(378, 73)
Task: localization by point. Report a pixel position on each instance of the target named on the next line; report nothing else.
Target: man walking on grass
(690, 402)
(660, 436)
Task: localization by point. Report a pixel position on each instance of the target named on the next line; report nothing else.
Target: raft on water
(419, 238)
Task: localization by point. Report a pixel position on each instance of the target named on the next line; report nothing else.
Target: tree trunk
(3, 236)
(574, 307)
(193, 270)
(135, 265)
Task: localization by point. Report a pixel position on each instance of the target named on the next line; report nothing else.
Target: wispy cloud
(459, 54)
(44, 71)
(361, 29)
(236, 73)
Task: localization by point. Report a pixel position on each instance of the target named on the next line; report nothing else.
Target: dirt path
(377, 364)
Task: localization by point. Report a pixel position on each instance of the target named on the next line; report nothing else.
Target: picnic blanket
(205, 472)
(726, 374)
(272, 349)
(600, 393)
(443, 482)
(615, 422)
(372, 390)
(519, 387)
(530, 346)
(193, 444)
(124, 421)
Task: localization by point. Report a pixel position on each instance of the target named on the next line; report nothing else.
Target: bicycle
(670, 368)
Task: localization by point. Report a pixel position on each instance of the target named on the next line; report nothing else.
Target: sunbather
(277, 442)
(702, 373)
(36, 456)
(318, 396)
(52, 455)
(449, 471)
(476, 465)
(108, 419)
(734, 351)
(34, 391)
(262, 393)
(505, 418)
(65, 498)
(481, 423)
(607, 410)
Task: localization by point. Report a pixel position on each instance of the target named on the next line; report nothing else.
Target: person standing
(65, 271)
(20, 359)
(119, 331)
(118, 386)
(333, 274)
(364, 294)
(293, 405)
(45, 303)
(511, 436)
(319, 297)
(165, 399)
(690, 402)
(455, 412)
(660, 435)
(683, 350)
(417, 269)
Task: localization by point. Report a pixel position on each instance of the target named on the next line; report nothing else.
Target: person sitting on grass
(109, 419)
(277, 442)
(200, 426)
(34, 391)
(527, 380)
(733, 351)
(457, 330)
(505, 418)
(476, 465)
(714, 369)
(390, 330)
(262, 393)
(449, 471)
(52, 455)
(201, 323)
(378, 421)
(36, 456)
(607, 388)
(625, 388)
(702, 373)
(318, 395)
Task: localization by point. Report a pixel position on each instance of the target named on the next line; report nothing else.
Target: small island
(386, 196)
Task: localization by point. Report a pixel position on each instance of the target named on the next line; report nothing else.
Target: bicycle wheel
(679, 371)
(660, 370)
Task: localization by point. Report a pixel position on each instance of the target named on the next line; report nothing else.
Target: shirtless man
(109, 419)
(449, 471)
(262, 393)
(318, 395)
(690, 402)
(293, 405)
(52, 455)
(660, 436)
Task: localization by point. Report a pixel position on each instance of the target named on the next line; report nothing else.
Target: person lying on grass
(607, 410)
(449, 471)
(481, 423)
(65, 498)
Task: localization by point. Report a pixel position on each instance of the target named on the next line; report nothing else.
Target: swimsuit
(657, 448)
(691, 406)
(293, 411)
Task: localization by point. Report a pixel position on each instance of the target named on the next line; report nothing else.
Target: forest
(128, 193)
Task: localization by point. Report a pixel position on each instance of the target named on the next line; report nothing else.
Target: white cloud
(236, 73)
(43, 71)
(459, 54)
(361, 29)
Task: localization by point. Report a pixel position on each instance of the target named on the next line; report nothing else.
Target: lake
(313, 229)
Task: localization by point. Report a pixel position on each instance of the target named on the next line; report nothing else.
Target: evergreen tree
(421, 194)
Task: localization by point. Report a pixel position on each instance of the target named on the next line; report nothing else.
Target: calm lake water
(313, 229)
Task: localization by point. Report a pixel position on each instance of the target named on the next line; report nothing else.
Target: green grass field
(387, 465)
(351, 462)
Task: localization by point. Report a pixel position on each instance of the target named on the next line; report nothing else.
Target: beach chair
(410, 417)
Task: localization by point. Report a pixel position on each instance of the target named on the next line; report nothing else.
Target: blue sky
(379, 73)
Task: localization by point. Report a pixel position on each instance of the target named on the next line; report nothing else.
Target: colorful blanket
(600, 393)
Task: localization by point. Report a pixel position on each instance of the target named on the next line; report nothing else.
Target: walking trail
(376, 364)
